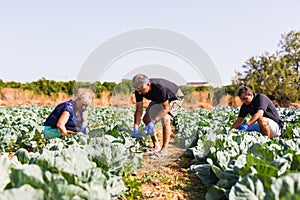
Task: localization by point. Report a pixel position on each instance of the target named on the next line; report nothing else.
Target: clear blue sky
(52, 39)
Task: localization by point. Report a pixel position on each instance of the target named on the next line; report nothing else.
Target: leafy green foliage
(231, 163)
(276, 75)
(186, 90)
(80, 166)
(22, 155)
(124, 87)
(134, 190)
(236, 164)
(51, 87)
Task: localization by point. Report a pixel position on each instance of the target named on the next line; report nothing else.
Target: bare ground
(168, 177)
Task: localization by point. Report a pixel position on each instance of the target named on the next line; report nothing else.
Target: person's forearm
(61, 124)
(62, 129)
(85, 123)
(138, 114)
(251, 121)
(137, 119)
(254, 118)
(237, 123)
(84, 119)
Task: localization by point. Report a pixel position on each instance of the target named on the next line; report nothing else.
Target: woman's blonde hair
(85, 98)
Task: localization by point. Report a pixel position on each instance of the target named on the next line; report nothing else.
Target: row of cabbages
(77, 167)
(242, 165)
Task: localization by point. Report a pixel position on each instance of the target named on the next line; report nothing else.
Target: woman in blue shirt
(68, 117)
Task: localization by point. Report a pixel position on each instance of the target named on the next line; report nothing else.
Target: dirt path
(151, 162)
(168, 177)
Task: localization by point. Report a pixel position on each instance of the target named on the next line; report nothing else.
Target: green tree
(2, 84)
(124, 87)
(276, 75)
(13, 84)
(186, 89)
(110, 86)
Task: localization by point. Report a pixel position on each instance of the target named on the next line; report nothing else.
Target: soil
(168, 177)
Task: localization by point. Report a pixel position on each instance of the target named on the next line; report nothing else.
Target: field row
(231, 163)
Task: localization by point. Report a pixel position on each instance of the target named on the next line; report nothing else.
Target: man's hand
(83, 129)
(150, 128)
(136, 133)
(244, 127)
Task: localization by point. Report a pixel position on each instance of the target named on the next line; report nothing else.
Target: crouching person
(68, 117)
(166, 99)
(262, 110)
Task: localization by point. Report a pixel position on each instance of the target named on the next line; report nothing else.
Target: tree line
(50, 87)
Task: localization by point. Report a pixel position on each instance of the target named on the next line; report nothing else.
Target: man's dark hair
(244, 89)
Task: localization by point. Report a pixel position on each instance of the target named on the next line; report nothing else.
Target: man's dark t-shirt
(261, 102)
(161, 91)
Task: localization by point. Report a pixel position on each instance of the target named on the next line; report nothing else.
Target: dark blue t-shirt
(161, 91)
(54, 116)
(261, 102)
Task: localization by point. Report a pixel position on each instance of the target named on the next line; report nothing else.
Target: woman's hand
(67, 133)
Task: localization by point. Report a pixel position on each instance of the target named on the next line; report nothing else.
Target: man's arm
(255, 117)
(237, 123)
(138, 113)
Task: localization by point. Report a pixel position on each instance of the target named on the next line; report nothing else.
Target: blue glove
(150, 128)
(83, 129)
(244, 127)
(136, 133)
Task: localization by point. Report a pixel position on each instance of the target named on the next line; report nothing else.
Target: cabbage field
(232, 164)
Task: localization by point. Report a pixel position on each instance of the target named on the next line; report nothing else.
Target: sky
(54, 39)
